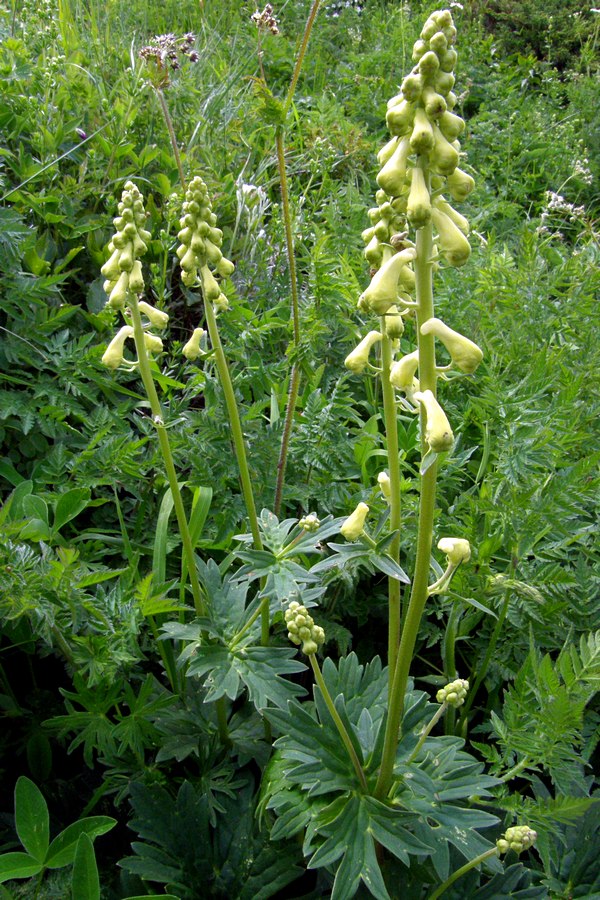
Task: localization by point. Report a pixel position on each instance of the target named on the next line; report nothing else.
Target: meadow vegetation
(272, 622)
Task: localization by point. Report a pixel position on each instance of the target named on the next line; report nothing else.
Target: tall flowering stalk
(414, 231)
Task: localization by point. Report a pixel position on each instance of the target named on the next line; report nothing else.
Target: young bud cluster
(302, 629)
(517, 838)
(454, 693)
(309, 523)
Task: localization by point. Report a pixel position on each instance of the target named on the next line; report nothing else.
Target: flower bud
(465, 354)
(438, 433)
(309, 523)
(459, 220)
(450, 125)
(354, 525)
(383, 290)
(421, 139)
(210, 285)
(443, 157)
(192, 350)
(418, 210)
(399, 119)
(383, 480)
(457, 550)
(359, 358)
(460, 185)
(302, 629)
(452, 242)
(156, 317)
(403, 371)
(113, 355)
(392, 176)
(153, 342)
(454, 694)
(394, 323)
(517, 838)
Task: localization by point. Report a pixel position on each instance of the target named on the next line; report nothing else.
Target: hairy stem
(301, 54)
(171, 130)
(295, 314)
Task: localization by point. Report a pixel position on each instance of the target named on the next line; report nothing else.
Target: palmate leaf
(179, 847)
(371, 558)
(351, 826)
(259, 669)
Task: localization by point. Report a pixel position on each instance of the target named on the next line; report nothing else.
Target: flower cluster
(309, 523)
(302, 629)
(517, 838)
(454, 693)
(124, 279)
(265, 19)
(200, 248)
(165, 52)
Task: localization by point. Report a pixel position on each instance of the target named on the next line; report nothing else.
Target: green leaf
(258, 668)
(61, 851)
(31, 818)
(35, 508)
(85, 881)
(69, 505)
(18, 865)
(36, 530)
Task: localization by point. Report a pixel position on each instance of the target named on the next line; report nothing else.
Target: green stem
(171, 130)
(165, 449)
(462, 871)
(427, 731)
(167, 657)
(295, 313)
(483, 668)
(221, 709)
(239, 447)
(391, 431)
(234, 421)
(64, 647)
(419, 592)
(450, 661)
(338, 722)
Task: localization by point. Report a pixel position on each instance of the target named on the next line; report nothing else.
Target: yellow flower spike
(383, 290)
(358, 360)
(156, 317)
(438, 433)
(113, 355)
(465, 354)
(354, 525)
(403, 371)
(457, 550)
(192, 349)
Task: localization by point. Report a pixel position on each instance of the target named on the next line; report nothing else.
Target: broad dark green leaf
(61, 851)
(85, 881)
(31, 818)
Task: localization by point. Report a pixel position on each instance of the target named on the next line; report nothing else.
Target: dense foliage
(121, 701)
